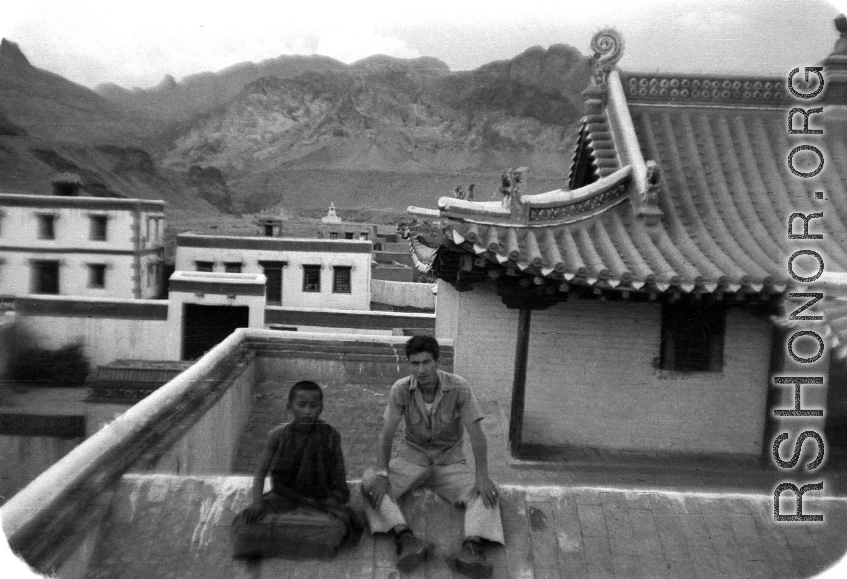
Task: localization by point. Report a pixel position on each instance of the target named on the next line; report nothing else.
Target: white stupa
(331, 216)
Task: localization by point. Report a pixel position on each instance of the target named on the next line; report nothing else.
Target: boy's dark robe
(307, 470)
(309, 464)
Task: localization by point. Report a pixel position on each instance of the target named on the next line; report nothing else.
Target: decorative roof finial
(840, 44)
(608, 46)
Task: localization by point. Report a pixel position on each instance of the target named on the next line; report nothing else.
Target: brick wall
(592, 382)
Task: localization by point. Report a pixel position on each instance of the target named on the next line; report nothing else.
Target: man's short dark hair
(305, 386)
(418, 344)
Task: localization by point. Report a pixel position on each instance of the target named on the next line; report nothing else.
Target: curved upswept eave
(744, 256)
(645, 261)
(700, 234)
(606, 248)
(597, 268)
(575, 263)
(553, 260)
(802, 191)
(835, 210)
(751, 187)
(730, 193)
(674, 238)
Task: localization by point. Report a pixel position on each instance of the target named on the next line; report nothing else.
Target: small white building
(204, 308)
(81, 246)
(301, 273)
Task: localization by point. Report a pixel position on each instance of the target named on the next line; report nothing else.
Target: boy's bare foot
(411, 552)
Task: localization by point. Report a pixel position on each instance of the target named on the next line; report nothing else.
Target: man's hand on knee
(486, 489)
(376, 490)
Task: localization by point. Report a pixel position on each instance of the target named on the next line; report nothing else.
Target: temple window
(692, 337)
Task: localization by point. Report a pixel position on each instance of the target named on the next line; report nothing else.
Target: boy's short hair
(418, 344)
(305, 386)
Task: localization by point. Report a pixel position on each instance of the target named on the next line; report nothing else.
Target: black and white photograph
(376, 290)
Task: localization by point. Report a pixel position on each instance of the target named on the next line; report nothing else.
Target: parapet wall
(403, 294)
(139, 329)
(54, 520)
(190, 426)
(108, 329)
(333, 358)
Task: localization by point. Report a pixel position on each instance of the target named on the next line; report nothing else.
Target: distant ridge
(11, 55)
(198, 93)
(297, 131)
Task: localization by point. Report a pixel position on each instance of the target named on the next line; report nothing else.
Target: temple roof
(677, 183)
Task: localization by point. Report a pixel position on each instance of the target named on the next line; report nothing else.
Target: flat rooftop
(178, 526)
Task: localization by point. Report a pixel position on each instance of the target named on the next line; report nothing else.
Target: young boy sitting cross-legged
(307, 472)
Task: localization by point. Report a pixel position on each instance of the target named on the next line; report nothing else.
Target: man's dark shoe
(471, 561)
(411, 552)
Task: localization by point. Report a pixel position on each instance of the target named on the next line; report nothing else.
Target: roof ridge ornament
(648, 206)
(512, 190)
(608, 45)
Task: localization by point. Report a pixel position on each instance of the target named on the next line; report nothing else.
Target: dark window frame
(204, 265)
(97, 275)
(312, 279)
(338, 282)
(693, 337)
(236, 266)
(98, 227)
(46, 226)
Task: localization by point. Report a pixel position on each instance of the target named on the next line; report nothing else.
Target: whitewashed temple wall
(593, 379)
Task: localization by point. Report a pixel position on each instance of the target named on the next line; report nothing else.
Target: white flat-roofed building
(81, 246)
(301, 273)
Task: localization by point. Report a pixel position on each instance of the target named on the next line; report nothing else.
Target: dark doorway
(273, 285)
(204, 327)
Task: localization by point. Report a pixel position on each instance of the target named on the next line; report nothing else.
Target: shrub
(32, 365)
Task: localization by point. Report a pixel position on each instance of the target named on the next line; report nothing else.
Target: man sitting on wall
(435, 406)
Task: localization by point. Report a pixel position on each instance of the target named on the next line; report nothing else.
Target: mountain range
(296, 131)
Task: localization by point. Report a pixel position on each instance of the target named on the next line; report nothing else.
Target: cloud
(349, 44)
(705, 20)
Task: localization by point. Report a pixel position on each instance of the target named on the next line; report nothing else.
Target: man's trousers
(454, 483)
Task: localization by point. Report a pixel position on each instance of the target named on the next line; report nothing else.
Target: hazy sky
(136, 44)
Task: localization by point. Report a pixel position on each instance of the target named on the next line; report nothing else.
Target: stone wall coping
(218, 277)
(336, 337)
(93, 300)
(375, 313)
